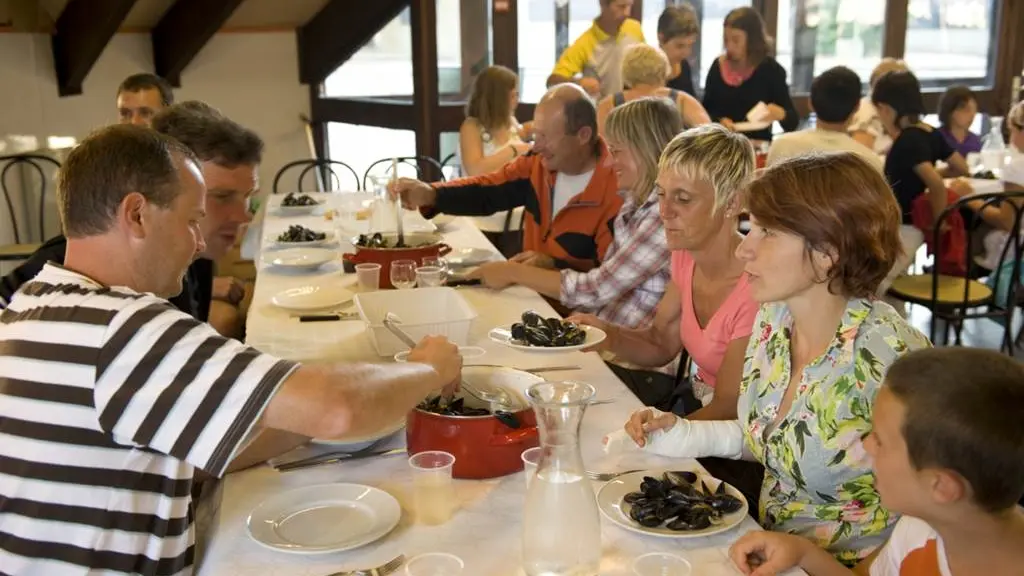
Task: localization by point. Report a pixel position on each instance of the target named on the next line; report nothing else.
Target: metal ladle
(499, 396)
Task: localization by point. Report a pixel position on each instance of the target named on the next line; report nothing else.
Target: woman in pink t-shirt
(707, 309)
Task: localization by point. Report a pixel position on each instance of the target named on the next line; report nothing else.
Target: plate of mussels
(296, 204)
(297, 235)
(535, 333)
(672, 504)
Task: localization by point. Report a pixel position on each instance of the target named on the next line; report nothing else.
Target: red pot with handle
(419, 245)
(484, 446)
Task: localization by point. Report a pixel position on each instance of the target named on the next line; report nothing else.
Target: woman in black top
(910, 165)
(747, 74)
(677, 32)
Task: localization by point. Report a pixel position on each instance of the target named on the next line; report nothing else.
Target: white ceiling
(40, 14)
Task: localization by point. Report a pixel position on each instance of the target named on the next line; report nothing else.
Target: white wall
(251, 77)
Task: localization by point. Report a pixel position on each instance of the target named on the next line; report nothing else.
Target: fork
(382, 570)
(606, 476)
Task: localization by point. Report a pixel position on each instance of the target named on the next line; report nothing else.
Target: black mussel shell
(531, 318)
(725, 503)
(704, 488)
(668, 510)
(574, 337)
(683, 495)
(680, 478)
(554, 324)
(634, 497)
(519, 331)
(538, 336)
(653, 488)
(721, 489)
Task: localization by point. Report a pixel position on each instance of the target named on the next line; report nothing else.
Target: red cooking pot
(483, 446)
(420, 245)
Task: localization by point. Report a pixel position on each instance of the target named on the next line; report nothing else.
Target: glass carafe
(561, 523)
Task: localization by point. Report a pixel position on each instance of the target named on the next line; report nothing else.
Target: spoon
(499, 396)
(398, 204)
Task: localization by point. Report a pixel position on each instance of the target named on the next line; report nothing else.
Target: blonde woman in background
(627, 286)
(645, 70)
(867, 127)
(491, 137)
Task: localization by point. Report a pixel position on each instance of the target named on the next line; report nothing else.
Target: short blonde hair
(884, 67)
(711, 153)
(645, 126)
(644, 64)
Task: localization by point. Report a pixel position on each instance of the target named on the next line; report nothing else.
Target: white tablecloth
(485, 531)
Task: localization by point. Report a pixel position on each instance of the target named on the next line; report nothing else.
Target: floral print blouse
(818, 481)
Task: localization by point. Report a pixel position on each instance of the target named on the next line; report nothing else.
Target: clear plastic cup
(427, 276)
(531, 457)
(661, 564)
(435, 564)
(433, 488)
(368, 276)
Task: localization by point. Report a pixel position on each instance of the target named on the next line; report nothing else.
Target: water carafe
(561, 523)
(993, 150)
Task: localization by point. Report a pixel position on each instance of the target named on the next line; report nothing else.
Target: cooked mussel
(679, 500)
(535, 330)
(680, 478)
(531, 318)
(538, 336)
(519, 332)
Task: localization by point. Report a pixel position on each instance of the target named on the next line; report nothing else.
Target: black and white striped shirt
(109, 401)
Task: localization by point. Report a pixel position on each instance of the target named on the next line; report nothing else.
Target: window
(463, 33)
(536, 21)
(381, 68)
(361, 146)
(815, 35)
(950, 39)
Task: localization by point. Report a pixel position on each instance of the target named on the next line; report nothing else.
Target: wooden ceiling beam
(80, 34)
(183, 31)
(338, 31)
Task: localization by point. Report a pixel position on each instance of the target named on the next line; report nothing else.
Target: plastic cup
(368, 276)
(661, 564)
(433, 488)
(427, 276)
(435, 564)
(531, 457)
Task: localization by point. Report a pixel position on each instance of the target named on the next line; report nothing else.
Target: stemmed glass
(403, 274)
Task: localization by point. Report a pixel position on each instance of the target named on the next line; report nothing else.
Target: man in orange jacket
(565, 183)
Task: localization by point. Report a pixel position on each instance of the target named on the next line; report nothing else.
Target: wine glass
(403, 274)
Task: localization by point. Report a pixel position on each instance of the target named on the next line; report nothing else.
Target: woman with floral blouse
(825, 232)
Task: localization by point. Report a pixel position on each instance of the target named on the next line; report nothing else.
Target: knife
(328, 317)
(332, 457)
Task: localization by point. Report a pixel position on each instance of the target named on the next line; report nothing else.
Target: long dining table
(486, 529)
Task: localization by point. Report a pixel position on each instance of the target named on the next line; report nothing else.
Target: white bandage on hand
(686, 439)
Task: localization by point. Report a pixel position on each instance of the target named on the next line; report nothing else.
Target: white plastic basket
(424, 312)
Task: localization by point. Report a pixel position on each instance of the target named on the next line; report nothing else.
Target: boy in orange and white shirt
(948, 452)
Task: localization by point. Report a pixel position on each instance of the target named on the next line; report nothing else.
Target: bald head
(565, 128)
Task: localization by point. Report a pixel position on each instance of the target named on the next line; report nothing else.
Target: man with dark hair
(835, 97)
(594, 60)
(112, 402)
(566, 184)
(229, 157)
(140, 97)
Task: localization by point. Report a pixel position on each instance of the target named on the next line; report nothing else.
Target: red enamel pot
(483, 446)
(421, 245)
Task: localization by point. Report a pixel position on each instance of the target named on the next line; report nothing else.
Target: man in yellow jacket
(594, 60)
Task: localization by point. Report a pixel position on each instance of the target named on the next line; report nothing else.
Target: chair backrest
(450, 167)
(326, 175)
(1005, 281)
(33, 172)
(384, 167)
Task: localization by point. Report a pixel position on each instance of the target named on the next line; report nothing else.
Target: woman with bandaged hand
(825, 231)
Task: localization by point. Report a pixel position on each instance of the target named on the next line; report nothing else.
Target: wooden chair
(954, 300)
(450, 168)
(34, 169)
(326, 179)
(413, 161)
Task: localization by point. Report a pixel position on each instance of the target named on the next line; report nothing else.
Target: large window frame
(429, 113)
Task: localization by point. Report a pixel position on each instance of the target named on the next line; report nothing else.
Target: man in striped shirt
(111, 400)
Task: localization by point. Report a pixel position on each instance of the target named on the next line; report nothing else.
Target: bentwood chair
(35, 173)
(322, 175)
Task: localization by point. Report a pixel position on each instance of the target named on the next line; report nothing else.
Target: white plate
(301, 258)
(353, 443)
(609, 500)
(311, 297)
(298, 210)
(467, 352)
(469, 256)
(502, 335)
(750, 126)
(328, 238)
(324, 518)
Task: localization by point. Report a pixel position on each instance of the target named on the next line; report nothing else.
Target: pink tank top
(733, 319)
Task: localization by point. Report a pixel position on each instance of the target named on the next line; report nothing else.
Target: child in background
(957, 110)
(948, 452)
